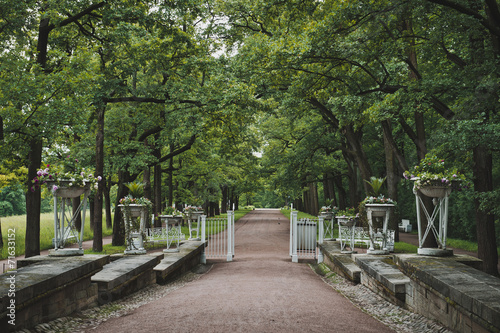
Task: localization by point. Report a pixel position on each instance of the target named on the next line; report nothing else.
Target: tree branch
(176, 152)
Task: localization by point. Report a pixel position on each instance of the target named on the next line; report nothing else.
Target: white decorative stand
(440, 196)
(346, 233)
(135, 241)
(194, 218)
(328, 221)
(378, 211)
(64, 227)
(172, 231)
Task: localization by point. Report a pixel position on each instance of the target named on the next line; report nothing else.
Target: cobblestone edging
(393, 316)
(93, 317)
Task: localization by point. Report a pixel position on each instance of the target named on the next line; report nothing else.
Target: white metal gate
(303, 237)
(218, 235)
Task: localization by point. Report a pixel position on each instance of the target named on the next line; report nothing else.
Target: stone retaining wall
(43, 291)
(446, 289)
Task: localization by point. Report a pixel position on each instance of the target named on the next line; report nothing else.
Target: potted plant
(347, 217)
(171, 215)
(66, 184)
(193, 212)
(433, 178)
(136, 210)
(328, 210)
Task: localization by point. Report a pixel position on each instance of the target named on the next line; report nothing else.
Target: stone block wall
(46, 290)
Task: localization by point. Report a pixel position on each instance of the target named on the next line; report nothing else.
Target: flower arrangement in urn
(432, 171)
(56, 177)
(328, 208)
(172, 211)
(191, 209)
(135, 196)
(348, 213)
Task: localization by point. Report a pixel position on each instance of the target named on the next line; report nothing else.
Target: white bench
(405, 226)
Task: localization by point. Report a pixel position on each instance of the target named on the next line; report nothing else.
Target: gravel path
(260, 291)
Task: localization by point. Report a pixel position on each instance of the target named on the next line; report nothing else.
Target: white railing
(303, 237)
(170, 235)
(219, 232)
(362, 236)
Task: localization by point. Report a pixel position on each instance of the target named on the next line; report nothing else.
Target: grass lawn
(18, 225)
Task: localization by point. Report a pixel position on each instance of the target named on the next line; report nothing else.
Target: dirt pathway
(260, 291)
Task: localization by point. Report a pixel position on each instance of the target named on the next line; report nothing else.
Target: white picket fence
(219, 232)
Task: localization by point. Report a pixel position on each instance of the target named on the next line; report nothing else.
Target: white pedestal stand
(382, 211)
(439, 214)
(346, 233)
(64, 227)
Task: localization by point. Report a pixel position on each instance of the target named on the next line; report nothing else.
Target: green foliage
(136, 189)
(376, 185)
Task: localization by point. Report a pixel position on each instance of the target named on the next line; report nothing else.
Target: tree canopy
(183, 95)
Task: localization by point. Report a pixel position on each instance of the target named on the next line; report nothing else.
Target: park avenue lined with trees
(260, 102)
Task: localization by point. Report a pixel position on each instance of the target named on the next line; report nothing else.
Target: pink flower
(99, 178)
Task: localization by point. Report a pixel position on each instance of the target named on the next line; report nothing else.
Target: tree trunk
(353, 182)
(157, 193)
(224, 190)
(75, 203)
(99, 172)
(354, 140)
(91, 214)
(146, 179)
(392, 180)
(32, 240)
(171, 178)
(485, 223)
(107, 200)
(118, 227)
(341, 191)
(314, 206)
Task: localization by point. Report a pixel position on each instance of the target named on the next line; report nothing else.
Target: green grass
(402, 247)
(18, 223)
(107, 249)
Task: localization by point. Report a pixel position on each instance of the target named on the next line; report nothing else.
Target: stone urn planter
(65, 190)
(134, 218)
(435, 191)
(194, 226)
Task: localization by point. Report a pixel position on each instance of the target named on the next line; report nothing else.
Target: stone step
(126, 275)
(176, 263)
(381, 274)
(340, 263)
